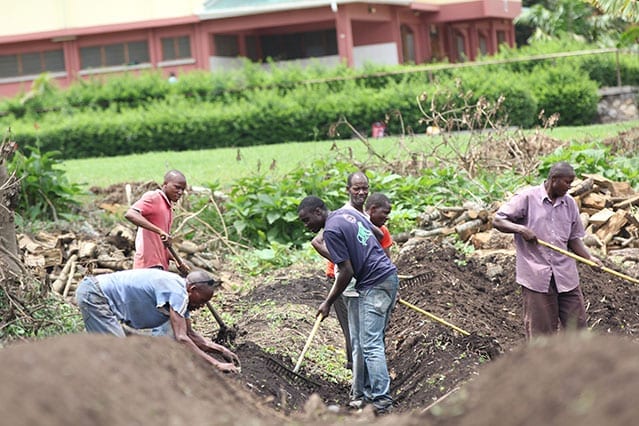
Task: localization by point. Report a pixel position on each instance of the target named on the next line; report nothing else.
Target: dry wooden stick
(58, 284)
(65, 293)
(189, 217)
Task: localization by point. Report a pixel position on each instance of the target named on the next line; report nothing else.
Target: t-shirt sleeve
(179, 301)
(336, 246)
(387, 240)
(145, 204)
(515, 209)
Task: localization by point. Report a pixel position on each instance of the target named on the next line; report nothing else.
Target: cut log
(462, 218)
(67, 286)
(599, 180)
(122, 231)
(627, 203)
(428, 217)
(632, 219)
(601, 217)
(114, 264)
(60, 282)
(87, 249)
(594, 200)
(582, 188)
(588, 210)
(621, 189)
(607, 231)
(34, 260)
(465, 230)
(188, 247)
(585, 219)
(424, 233)
(592, 240)
(25, 242)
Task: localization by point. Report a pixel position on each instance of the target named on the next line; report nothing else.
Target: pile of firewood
(62, 260)
(607, 208)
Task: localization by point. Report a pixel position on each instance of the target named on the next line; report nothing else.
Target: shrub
(567, 91)
(45, 192)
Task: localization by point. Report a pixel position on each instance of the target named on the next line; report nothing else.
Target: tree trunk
(9, 193)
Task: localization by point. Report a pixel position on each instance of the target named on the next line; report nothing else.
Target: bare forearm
(137, 219)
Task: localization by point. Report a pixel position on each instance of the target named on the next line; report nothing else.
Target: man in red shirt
(153, 215)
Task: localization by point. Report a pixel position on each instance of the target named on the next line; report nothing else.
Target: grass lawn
(224, 165)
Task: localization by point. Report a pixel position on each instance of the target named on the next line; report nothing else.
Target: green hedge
(304, 113)
(566, 91)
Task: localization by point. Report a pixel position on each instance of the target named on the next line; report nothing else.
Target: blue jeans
(96, 312)
(368, 317)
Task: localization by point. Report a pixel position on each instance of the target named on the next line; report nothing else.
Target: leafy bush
(263, 211)
(45, 192)
(567, 91)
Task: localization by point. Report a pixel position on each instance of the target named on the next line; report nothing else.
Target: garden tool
(225, 334)
(433, 317)
(587, 261)
(308, 343)
(411, 281)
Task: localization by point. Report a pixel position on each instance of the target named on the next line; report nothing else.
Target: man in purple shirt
(353, 247)
(549, 280)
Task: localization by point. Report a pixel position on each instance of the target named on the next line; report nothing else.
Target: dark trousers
(545, 312)
(341, 312)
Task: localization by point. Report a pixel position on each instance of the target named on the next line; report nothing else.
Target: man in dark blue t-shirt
(353, 247)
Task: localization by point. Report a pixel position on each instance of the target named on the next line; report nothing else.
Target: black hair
(349, 179)
(561, 169)
(376, 199)
(311, 203)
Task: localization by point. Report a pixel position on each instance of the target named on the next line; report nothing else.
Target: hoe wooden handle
(587, 261)
(308, 343)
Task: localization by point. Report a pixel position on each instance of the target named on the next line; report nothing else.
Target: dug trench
(439, 376)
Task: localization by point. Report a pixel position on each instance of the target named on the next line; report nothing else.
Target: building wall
(33, 16)
(365, 32)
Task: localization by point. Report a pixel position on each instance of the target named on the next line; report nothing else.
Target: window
(251, 48)
(460, 42)
(113, 55)
(408, 44)
(483, 44)
(176, 48)
(226, 45)
(31, 63)
(299, 45)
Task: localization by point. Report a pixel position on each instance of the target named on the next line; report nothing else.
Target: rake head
(277, 367)
(408, 281)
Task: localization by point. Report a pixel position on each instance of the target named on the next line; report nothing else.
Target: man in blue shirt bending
(349, 238)
(147, 298)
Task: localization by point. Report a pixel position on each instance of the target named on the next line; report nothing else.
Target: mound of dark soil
(586, 380)
(104, 380)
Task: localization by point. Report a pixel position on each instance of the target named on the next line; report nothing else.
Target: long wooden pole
(308, 343)
(433, 317)
(587, 261)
